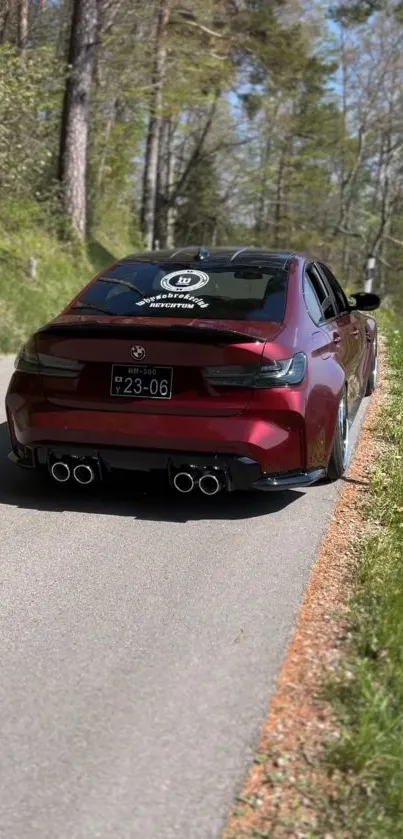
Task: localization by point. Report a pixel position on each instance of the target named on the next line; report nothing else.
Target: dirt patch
(278, 798)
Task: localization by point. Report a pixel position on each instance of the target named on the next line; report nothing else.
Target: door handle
(336, 338)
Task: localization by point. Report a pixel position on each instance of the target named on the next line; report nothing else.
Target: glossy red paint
(283, 430)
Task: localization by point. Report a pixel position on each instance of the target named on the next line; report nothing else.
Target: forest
(127, 124)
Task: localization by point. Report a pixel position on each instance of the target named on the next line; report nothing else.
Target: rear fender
(321, 415)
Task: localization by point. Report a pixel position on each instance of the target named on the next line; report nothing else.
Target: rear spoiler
(174, 332)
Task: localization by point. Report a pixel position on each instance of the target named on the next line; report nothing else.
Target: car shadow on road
(125, 496)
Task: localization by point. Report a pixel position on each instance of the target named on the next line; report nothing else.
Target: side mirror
(365, 302)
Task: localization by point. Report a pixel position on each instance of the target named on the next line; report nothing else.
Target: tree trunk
(104, 155)
(153, 134)
(4, 17)
(196, 153)
(279, 196)
(75, 116)
(344, 80)
(162, 192)
(171, 221)
(345, 252)
(22, 35)
(260, 212)
(164, 211)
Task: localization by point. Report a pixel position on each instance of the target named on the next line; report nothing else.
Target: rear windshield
(145, 289)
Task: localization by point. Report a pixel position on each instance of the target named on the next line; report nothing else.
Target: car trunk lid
(119, 361)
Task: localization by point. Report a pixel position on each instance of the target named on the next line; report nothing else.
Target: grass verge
(367, 694)
(61, 269)
(329, 763)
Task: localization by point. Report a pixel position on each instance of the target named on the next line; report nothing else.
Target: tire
(373, 376)
(340, 449)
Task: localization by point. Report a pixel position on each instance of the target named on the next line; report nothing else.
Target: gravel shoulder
(276, 800)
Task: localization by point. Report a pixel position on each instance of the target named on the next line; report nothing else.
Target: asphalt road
(140, 638)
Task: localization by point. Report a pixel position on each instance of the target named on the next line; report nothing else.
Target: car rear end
(158, 367)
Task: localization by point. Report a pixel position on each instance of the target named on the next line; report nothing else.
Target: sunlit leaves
(30, 91)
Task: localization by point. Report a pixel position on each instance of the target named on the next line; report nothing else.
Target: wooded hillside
(276, 122)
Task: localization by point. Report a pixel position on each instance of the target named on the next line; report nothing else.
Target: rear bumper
(264, 448)
(241, 473)
(273, 438)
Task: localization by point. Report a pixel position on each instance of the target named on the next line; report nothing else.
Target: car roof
(199, 254)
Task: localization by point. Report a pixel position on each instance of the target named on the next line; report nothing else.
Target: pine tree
(75, 115)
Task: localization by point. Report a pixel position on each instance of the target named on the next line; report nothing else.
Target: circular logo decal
(137, 352)
(188, 280)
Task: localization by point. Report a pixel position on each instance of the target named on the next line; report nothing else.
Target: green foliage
(263, 145)
(368, 692)
(200, 215)
(30, 92)
(357, 11)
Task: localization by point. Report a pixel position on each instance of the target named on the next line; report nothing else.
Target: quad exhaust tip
(84, 473)
(60, 471)
(184, 482)
(209, 484)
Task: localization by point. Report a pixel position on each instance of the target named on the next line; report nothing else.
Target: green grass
(368, 692)
(62, 269)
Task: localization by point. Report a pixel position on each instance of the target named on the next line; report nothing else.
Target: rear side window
(311, 300)
(340, 297)
(256, 293)
(328, 310)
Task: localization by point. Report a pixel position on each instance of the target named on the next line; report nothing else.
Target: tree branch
(199, 26)
(392, 239)
(196, 153)
(351, 233)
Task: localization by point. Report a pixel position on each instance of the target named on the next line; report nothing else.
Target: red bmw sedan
(224, 369)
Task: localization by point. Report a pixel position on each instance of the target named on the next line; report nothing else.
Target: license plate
(141, 382)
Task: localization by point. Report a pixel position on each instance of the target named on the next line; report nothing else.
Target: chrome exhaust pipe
(209, 484)
(84, 473)
(60, 471)
(184, 482)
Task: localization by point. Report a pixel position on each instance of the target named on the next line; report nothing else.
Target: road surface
(140, 639)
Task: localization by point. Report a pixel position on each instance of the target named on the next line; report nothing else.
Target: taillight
(30, 361)
(288, 371)
(27, 359)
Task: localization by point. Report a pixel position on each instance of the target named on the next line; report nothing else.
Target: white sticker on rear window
(188, 280)
(173, 301)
